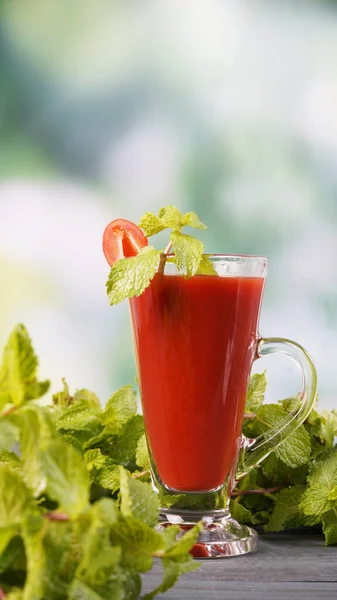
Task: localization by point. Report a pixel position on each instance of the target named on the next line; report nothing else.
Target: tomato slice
(122, 239)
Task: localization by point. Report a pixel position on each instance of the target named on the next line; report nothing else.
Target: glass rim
(247, 257)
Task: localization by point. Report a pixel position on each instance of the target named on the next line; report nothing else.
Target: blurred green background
(113, 108)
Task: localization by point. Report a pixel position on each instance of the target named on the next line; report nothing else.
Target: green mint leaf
(138, 542)
(328, 430)
(206, 267)
(52, 550)
(97, 572)
(63, 398)
(10, 459)
(142, 454)
(172, 572)
(171, 217)
(239, 512)
(80, 415)
(15, 594)
(18, 372)
(15, 498)
(13, 556)
(120, 407)
(278, 472)
(102, 470)
(319, 496)
(36, 430)
(131, 276)
(256, 391)
(184, 544)
(192, 219)
(188, 253)
(286, 511)
(9, 433)
(296, 449)
(87, 396)
(151, 224)
(329, 521)
(121, 447)
(138, 500)
(67, 477)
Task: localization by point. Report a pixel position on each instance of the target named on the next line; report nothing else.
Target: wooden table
(296, 566)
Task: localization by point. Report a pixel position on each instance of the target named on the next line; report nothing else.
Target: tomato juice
(195, 342)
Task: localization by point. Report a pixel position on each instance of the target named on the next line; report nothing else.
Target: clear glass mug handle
(255, 451)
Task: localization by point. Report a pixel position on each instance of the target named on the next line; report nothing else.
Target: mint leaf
(142, 454)
(102, 470)
(319, 497)
(256, 391)
(15, 498)
(240, 512)
(188, 253)
(138, 542)
(286, 511)
(329, 427)
(151, 224)
(63, 398)
(296, 449)
(67, 477)
(329, 520)
(206, 267)
(79, 415)
(9, 433)
(138, 500)
(36, 430)
(120, 407)
(170, 216)
(192, 219)
(18, 372)
(131, 276)
(10, 459)
(172, 572)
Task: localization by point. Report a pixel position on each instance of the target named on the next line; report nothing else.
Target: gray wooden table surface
(290, 565)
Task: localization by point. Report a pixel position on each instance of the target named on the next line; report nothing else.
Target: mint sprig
(131, 276)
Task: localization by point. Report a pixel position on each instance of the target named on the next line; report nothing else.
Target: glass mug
(195, 342)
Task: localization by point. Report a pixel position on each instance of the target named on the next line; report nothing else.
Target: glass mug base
(221, 537)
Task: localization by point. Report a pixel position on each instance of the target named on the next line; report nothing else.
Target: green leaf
(138, 500)
(131, 276)
(188, 252)
(90, 398)
(240, 512)
(206, 267)
(192, 219)
(53, 551)
(319, 496)
(10, 459)
(138, 542)
(278, 472)
(36, 430)
(15, 498)
(256, 391)
(329, 520)
(172, 572)
(286, 511)
(103, 471)
(79, 415)
(171, 217)
(18, 372)
(120, 407)
(142, 454)
(296, 449)
(12, 554)
(63, 398)
(329, 427)
(9, 433)
(151, 224)
(67, 477)
(184, 544)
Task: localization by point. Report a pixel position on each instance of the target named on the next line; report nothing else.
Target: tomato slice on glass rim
(122, 239)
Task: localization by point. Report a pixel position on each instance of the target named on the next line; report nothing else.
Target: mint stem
(163, 258)
(141, 474)
(6, 413)
(55, 516)
(2, 594)
(270, 490)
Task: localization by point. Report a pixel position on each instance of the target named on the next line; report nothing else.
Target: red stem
(5, 413)
(3, 596)
(276, 488)
(56, 516)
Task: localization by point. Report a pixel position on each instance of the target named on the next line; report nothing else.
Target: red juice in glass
(195, 342)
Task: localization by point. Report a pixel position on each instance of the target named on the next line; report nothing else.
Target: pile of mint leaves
(77, 511)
